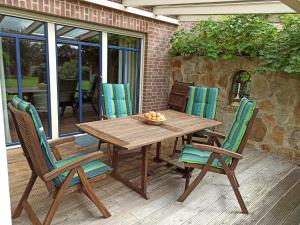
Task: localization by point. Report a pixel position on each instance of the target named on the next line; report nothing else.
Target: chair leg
(197, 180)
(91, 194)
(99, 145)
(182, 140)
(18, 210)
(189, 139)
(234, 184)
(32, 216)
(175, 147)
(237, 183)
(109, 153)
(58, 197)
(187, 178)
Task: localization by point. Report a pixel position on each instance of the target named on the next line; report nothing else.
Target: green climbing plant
(244, 35)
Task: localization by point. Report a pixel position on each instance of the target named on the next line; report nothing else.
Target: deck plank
(212, 201)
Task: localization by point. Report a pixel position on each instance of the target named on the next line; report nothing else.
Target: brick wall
(158, 33)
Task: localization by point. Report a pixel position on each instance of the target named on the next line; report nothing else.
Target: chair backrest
(67, 89)
(93, 84)
(178, 96)
(202, 102)
(32, 137)
(116, 100)
(239, 132)
(28, 108)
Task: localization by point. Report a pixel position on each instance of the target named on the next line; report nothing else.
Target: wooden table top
(133, 132)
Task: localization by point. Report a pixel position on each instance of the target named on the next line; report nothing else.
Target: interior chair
(61, 176)
(221, 159)
(67, 91)
(90, 96)
(202, 102)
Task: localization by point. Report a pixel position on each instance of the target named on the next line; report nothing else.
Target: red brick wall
(158, 33)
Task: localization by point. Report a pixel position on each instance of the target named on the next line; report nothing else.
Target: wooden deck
(269, 183)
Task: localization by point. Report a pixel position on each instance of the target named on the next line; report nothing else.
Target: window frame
(51, 21)
(18, 38)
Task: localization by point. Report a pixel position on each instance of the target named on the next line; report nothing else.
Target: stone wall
(277, 127)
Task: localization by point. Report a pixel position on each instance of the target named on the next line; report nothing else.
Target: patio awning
(194, 10)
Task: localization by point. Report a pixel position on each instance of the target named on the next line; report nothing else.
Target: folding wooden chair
(222, 159)
(61, 176)
(117, 104)
(179, 96)
(202, 102)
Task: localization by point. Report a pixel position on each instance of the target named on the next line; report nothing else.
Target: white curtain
(130, 70)
(4, 99)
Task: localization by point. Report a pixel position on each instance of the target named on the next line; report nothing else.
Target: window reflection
(77, 34)
(78, 75)
(17, 25)
(23, 72)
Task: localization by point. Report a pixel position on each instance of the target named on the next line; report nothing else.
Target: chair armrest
(71, 165)
(218, 150)
(214, 134)
(61, 141)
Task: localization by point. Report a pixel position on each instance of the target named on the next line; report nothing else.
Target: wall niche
(240, 87)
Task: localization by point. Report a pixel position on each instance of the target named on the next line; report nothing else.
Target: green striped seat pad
(191, 155)
(116, 100)
(202, 102)
(91, 169)
(231, 142)
(30, 109)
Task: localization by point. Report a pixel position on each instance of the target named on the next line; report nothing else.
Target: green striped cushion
(238, 129)
(116, 100)
(231, 142)
(91, 169)
(191, 155)
(30, 109)
(202, 102)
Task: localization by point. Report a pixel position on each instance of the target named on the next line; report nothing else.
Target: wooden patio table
(133, 132)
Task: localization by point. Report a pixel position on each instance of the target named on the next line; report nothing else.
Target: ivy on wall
(244, 35)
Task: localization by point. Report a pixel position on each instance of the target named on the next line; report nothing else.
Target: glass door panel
(90, 83)
(9, 83)
(68, 87)
(34, 78)
(114, 60)
(132, 77)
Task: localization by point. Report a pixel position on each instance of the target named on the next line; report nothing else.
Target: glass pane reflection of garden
(78, 53)
(23, 69)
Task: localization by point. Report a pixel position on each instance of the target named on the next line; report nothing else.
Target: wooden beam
(64, 30)
(192, 18)
(272, 7)
(33, 27)
(293, 4)
(135, 3)
(132, 10)
(87, 35)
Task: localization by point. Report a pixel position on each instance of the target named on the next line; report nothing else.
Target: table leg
(158, 151)
(144, 168)
(115, 159)
(142, 190)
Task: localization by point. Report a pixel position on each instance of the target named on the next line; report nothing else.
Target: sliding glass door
(79, 60)
(24, 69)
(124, 56)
